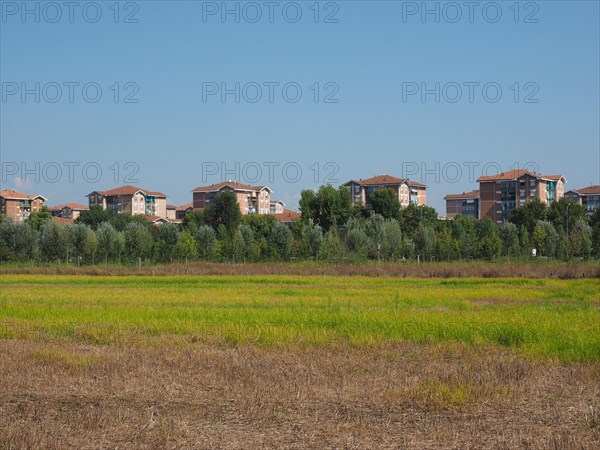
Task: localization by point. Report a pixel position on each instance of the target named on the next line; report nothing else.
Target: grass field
(298, 361)
(556, 319)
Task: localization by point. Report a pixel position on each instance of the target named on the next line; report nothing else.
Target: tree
(313, 236)
(355, 237)
(545, 238)
(167, 239)
(529, 214)
(54, 241)
(138, 240)
(524, 243)
(332, 245)
(108, 244)
(392, 240)
(374, 228)
(595, 225)
(224, 211)
(38, 218)
(564, 213)
(94, 216)
(194, 220)
(580, 239)
(509, 235)
(206, 240)
(489, 243)
(385, 203)
(328, 207)
(307, 201)
(280, 240)
(447, 247)
(250, 250)
(17, 242)
(424, 240)
(186, 246)
(413, 216)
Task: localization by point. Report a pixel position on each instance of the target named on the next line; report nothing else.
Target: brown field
(401, 395)
(540, 269)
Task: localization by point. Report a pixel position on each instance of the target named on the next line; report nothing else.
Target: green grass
(551, 319)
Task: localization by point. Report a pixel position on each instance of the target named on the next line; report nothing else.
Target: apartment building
(408, 191)
(67, 210)
(183, 210)
(171, 212)
(276, 207)
(589, 197)
(17, 206)
(131, 200)
(500, 194)
(465, 204)
(251, 199)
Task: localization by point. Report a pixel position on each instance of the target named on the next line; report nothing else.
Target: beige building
(588, 197)
(408, 191)
(251, 199)
(17, 206)
(277, 207)
(465, 204)
(67, 210)
(500, 194)
(131, 200)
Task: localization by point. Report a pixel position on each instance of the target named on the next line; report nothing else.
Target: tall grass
(551, 319)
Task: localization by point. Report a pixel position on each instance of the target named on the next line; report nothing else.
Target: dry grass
(400, 269)
(383, 396)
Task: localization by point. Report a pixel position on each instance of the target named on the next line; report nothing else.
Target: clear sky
(362, 67)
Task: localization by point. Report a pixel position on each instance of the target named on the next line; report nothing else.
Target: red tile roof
(155, 218)
(380, 180)
(230, 184)
(169, 206)
(287, 216)
(186, 206)
(512, 175)
(75, 206)
(129, 190)
(465, 195)
(14, 195)
(590, 190)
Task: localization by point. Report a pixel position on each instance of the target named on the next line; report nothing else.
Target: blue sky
(373, 53)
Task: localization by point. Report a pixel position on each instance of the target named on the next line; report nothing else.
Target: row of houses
(499, 194)
(496, 197)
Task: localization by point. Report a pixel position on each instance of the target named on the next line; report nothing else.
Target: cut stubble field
(298, 361)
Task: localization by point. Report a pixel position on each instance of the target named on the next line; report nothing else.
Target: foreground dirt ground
(386, 396)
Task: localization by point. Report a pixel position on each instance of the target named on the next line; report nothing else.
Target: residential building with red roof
(130, 200)
(465, 204)
(17, 206)
(500, 194)
(251, 199)
(67, 210)
(183, 210)
(587, 196)
(408, 191)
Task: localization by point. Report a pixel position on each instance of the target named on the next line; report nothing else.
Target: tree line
(331, 228)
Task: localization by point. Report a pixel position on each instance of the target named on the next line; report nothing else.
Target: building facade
(251, 199)
(408, 191)
(589, 197)
(276, 207)
(500, 194)
(465, 204)
(17, 206)
(131, 200)
(67, 210)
